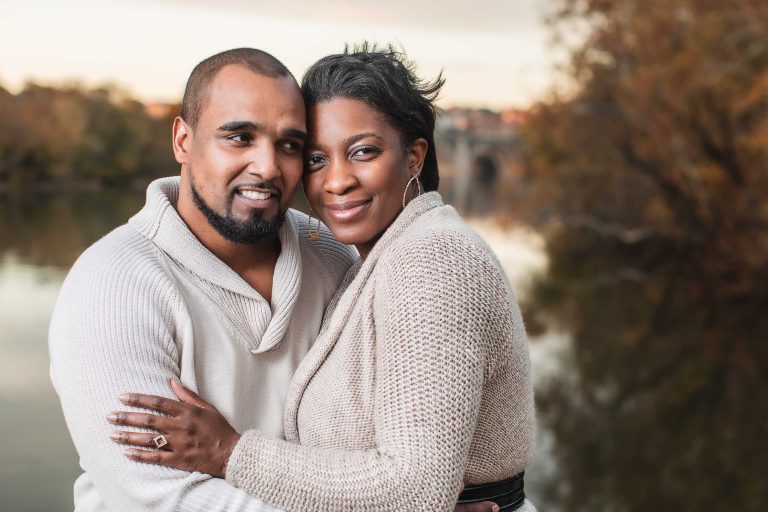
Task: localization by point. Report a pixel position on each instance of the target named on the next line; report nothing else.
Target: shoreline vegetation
(73, 138)
(70, 186)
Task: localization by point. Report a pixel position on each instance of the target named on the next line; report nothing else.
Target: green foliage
(72, 135)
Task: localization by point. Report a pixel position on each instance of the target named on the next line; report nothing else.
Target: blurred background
(614, 153)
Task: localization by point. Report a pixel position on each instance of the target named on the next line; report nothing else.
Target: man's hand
(483, 506)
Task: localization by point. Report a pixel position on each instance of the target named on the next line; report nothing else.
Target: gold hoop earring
(313, 235)
(419, 189)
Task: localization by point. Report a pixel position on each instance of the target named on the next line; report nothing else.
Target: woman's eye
(364, 152)
(314, 162)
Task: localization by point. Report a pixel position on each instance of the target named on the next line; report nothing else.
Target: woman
(420, 376)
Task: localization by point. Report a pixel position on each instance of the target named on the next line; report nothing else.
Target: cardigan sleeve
(111, 332)
(432, 312)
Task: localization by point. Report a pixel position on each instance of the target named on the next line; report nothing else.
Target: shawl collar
(342, 303)
(160, 222)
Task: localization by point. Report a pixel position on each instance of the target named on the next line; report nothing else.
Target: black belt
(507, 494)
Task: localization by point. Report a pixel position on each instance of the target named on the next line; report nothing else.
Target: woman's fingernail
(128, 452)
(112, 417)
(114, 436)
(495, 508)
(124, 397)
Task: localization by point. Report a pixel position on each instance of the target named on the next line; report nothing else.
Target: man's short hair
(197, 92)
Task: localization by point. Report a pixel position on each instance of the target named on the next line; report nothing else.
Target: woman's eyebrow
(346, 142)
(357, 138)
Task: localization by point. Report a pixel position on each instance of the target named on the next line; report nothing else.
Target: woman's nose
(339, 179)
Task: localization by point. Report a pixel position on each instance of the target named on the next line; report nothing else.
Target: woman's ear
(417, 153)
(181, 138)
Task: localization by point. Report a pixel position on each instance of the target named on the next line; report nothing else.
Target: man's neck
(255, 263)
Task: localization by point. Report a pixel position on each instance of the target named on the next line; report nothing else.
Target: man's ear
(417, 152)
(182, 134)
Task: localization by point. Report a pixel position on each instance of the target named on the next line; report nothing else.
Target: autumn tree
(70, 134)
(656, 170)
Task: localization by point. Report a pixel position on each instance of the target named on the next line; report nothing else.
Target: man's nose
(339, 178)
(263, 162)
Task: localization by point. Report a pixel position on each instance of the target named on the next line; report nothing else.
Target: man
(215, 282)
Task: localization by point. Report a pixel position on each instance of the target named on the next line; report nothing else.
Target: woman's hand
(194, 436)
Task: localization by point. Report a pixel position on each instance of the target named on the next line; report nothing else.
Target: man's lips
(258, 196)
(255, 194)
(345, 211)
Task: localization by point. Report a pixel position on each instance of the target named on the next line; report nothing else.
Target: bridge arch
(484, 179)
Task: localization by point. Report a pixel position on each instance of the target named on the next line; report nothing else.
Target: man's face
(244, 157)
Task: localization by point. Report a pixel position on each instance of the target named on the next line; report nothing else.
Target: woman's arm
(430, 366)
(431, 338)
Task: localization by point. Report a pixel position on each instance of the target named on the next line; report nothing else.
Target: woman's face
(356, 170)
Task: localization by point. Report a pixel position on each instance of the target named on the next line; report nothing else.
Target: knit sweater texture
(420, 379)
(149, 302)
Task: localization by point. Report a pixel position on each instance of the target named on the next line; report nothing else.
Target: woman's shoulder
(445, 250)
(441, 235)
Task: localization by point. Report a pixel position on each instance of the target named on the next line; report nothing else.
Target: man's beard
(247, 232)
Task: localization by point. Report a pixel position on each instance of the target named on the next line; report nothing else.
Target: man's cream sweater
(420, 378)
(149, 302)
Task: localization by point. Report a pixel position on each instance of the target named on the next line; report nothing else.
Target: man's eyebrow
(237, 126)
(234, 126)
(295, 133)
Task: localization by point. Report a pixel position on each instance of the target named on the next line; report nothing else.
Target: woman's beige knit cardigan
(419, 379)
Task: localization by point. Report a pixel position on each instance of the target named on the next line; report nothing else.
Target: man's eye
(240, 138)
(292, 147)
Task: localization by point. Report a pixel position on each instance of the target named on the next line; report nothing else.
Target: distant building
(160, 110)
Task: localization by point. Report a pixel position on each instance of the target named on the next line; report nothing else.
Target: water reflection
(663, 406)
(40, 238)
(27, 295)
(51, 230)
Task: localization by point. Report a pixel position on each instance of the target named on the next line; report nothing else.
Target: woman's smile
(347, 211)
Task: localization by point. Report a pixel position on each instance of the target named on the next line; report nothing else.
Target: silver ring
(160, 441)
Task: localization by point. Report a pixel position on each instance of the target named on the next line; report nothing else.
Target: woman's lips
(346, 211)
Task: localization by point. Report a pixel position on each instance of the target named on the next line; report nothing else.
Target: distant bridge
(478, 167)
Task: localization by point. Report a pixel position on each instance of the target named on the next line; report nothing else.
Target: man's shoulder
(121, 256)
(119, 282)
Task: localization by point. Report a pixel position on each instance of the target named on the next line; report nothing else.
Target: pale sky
(494, 53)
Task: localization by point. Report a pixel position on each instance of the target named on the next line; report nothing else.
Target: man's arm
(113, 331)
